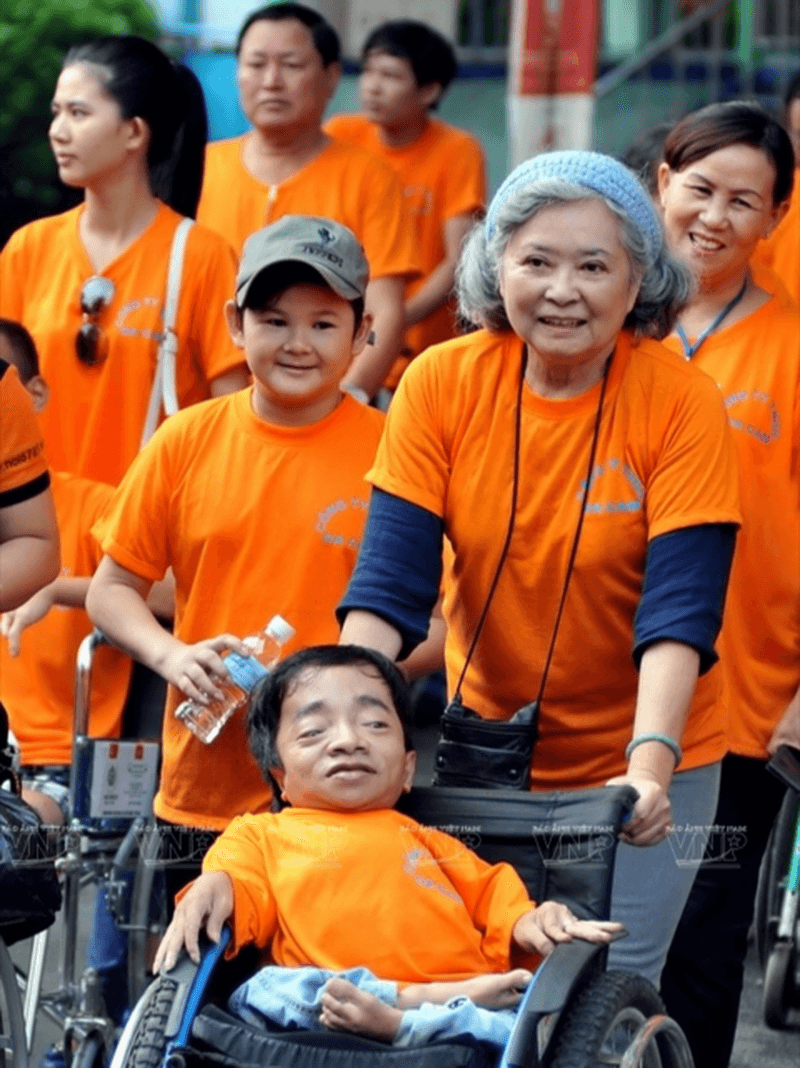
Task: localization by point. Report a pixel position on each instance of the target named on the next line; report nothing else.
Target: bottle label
(245, 671)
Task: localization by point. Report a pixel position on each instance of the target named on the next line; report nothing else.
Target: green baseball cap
(330, 248)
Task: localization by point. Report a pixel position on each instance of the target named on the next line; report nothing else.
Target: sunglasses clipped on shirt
(90, 341)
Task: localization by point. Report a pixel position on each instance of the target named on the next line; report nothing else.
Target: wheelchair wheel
(13, 1052)
(773, 869)
(778, 986)
(144, 1039)
(604, 1019)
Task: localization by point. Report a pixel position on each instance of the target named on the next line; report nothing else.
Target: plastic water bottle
(206, 721)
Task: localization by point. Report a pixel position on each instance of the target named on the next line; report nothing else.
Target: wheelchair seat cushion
(243, 1044)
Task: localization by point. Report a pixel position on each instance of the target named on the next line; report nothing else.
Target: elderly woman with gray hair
(584, 478)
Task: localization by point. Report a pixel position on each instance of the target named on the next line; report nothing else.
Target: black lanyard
(688, 349)
(510, 530)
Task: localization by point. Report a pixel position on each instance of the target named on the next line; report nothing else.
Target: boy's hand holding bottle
(197, 670)
(217, 686)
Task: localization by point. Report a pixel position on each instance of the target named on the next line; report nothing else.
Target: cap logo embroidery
(315, 250)
(325, 236)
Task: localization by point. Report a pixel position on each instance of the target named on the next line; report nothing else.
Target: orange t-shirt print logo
(761, 419)
(614, 487)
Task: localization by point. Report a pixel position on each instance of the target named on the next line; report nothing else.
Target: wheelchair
(30, 895)
(575, 1013)
(777, 921)
(106, 844)
(21, 882)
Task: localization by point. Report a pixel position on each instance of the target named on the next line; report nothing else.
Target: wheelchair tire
(778, 986)
(774, 867)
(144, 1038)
(90, 1053)
(13, 1051)
(602, 1021)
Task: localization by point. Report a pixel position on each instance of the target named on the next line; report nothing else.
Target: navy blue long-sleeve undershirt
(399, 570)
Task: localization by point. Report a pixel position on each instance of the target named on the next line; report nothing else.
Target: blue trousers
(108, 954)
(291, 999)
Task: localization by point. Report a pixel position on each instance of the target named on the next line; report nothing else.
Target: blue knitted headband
(597, 172)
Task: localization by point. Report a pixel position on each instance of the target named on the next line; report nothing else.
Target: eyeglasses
(96, 295)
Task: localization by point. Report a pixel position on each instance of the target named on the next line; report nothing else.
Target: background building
(655, 59)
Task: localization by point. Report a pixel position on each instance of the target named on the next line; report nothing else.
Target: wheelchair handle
(83, 678)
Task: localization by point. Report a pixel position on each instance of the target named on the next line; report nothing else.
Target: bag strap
(574, 550)
(457, 700)
(164, 391)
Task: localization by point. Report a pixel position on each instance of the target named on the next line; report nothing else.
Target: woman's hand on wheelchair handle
(651, 819)
(207, 904)
(541, 929)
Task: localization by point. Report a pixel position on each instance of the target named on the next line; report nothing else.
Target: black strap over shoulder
(497, 755)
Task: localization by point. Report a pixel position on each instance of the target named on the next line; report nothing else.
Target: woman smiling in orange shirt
(129, 129)
(562, 450)
(724, 186)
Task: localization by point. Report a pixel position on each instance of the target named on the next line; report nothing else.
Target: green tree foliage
(34, 36)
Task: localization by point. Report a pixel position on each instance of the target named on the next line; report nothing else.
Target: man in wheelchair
(375, 924)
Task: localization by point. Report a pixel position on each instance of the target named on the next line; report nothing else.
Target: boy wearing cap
(256, 500)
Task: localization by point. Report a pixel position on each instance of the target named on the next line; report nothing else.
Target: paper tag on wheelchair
(123, 778)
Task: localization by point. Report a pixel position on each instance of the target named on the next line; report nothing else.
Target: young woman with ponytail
(129, 127)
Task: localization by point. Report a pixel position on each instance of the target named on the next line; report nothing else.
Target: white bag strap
(164, 391)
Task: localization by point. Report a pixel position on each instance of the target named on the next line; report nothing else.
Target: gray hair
(666, 284)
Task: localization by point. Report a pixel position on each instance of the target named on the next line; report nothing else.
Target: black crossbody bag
(486, 754)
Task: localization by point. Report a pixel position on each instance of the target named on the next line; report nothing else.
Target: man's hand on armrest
(207, 904)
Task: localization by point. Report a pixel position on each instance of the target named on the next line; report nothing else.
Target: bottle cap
(280, 630)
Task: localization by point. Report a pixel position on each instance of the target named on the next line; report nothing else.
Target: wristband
(670, 743)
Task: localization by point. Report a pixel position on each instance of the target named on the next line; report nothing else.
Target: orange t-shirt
(664, 461)
(373, 889)
(23, 467)
(756, 363)
(444, 175)
(781, 251)
(254, 519)
(343, 183)
(93, 423)
(37, 687)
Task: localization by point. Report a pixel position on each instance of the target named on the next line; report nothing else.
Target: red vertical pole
(553, 49)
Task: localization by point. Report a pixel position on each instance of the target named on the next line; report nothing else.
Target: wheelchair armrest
(549, 991)
(178, 995)
(193, 980)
